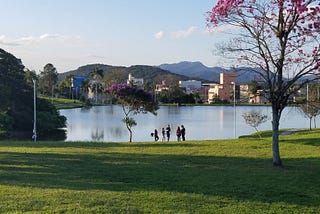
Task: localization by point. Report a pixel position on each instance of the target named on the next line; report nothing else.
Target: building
(134, 81)
(258, 98)
(225, 89)
(76, 85)
(76, 82)
(161, 87)
(191, 86)
(244, 93)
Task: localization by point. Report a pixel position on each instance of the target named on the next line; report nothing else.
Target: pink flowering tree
(281, 38)
(133, 100)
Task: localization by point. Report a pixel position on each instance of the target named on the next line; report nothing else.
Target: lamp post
(34, 136)
(234, 109)
(307, 97)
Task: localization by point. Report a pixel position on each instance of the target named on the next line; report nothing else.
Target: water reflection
(103, 123)
(97, 135)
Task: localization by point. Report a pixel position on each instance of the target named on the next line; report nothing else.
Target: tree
(254, 86)
(134, 100)
(30, 76)
(48, 117)
(281, 38)
(254, 119)
(66, 86)
(11, 80)
(176, 94)
(16, 95)
(48, 79)
(96, 74)
(311, 107)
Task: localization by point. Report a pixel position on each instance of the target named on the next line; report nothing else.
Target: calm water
(103, 123)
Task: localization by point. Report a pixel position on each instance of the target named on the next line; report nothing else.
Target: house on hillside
(161, 87)
(134, 81)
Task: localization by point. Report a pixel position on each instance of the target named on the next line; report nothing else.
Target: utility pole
(234, 109)
(34, 136)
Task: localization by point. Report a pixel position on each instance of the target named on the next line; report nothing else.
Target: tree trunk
(276, 113)
(130, 139)
(130, 132)
(258, 132)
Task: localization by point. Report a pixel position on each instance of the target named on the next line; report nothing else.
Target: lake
(103, 123)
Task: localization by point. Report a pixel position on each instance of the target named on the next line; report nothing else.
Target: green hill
(119, 74)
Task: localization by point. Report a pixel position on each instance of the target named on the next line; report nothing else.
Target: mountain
(200, 71)
(119, 74)
(172, 73)
(195, 70)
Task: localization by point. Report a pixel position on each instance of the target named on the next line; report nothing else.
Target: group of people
(166, 133)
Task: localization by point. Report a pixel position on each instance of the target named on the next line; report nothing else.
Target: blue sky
(72, 33)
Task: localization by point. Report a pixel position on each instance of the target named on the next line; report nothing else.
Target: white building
(224, 90)
(135, 81)
(190, 85)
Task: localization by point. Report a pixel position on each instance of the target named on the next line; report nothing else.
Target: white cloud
(180, 34)
(32, 39)
(7, 42)
(159, 35)
(220, 29)
(51, 36)
(95, 56)
(184, 33)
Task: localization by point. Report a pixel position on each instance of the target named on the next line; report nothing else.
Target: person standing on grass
(163, 131)
(156, 136)
(168, 132)
(183, 133)
(178, 133)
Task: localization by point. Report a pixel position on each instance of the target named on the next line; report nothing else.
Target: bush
(6, 123)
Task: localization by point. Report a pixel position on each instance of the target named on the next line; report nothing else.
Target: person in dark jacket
(168, 132)
(156, 136)
(183, 133)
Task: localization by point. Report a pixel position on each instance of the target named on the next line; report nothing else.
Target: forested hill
(119, 74)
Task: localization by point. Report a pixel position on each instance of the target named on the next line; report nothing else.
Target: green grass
(62, 103)
(222, 176)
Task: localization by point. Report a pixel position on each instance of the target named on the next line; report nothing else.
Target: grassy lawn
(221, 176)
(62, 103)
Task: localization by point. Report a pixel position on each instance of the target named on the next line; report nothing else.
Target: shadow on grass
(93, 145)
(306, 141)
(313, 141)
(257, 135)
(234, 177)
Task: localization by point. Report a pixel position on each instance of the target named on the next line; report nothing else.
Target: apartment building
(225, 89)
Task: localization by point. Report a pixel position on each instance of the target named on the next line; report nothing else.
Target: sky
(73, 33)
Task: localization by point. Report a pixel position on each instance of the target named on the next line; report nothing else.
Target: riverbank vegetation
(220, 176)
(17, 101)
(63, 103)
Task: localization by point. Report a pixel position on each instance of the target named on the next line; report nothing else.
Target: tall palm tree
(97, 75)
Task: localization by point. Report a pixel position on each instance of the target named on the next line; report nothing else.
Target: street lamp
(307, 97)
(34, 136)
(234, 109)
